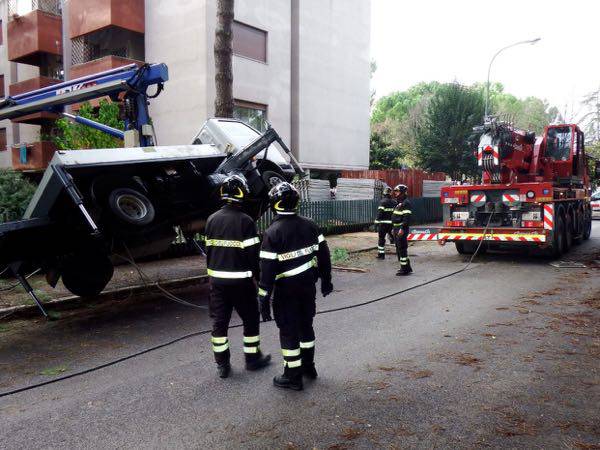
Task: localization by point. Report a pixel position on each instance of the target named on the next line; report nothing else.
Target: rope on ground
(200, 333)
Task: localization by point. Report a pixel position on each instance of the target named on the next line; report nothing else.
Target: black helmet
(234, 189)
(284, 198)
(387, 191)
(401, 189)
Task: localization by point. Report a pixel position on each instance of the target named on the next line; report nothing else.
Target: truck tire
(568, 232)
(271, 178)
(587, 228)
(86, 275)
(558, 242)
(468, 248)
(131, 207)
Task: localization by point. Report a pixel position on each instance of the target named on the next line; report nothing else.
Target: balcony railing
(111, 41)
(18, 8)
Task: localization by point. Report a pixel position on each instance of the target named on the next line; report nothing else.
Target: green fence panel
(342, 216)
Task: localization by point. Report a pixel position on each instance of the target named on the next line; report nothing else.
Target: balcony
(34, 37)
(34, 157)
(88, 16)
(42, 118)
(100, 65)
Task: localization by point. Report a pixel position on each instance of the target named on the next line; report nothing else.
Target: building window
(249, 42)
(3, 139)
(254, 114)
(2, 92)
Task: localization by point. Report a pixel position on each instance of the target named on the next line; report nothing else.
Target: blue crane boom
(131, 82)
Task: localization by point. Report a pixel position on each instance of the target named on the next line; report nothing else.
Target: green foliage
(397, 106)
(443, 133)
(73, 136)
(15, 193)
(383, 153)
(339, 255)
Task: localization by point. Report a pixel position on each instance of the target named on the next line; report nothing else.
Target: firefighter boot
(308, 363)
(380, 255)
(257, 361)
(223, 366)
(405, 268)
(291, 379)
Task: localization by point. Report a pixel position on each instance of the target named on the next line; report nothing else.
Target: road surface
(503, 355)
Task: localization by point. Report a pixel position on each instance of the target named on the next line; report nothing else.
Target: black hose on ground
(200, 333)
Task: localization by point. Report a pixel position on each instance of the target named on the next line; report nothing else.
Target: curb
(65, 303)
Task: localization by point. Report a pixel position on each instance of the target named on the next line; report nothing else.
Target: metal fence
(343, 216)
(22, 7)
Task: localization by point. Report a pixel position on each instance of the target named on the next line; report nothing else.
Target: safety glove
(264, 303)
(326, 287)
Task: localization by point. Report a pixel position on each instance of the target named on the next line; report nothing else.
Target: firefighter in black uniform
(232, 247)
(384, 220)
(293, 255)
(401, 222)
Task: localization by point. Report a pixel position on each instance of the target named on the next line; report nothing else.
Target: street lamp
(487, 95)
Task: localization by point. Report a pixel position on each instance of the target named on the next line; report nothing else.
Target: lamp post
(487, 94)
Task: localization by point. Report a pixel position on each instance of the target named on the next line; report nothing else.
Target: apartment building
(303, 65)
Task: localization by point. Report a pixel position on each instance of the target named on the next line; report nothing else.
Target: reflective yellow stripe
(230, 275)
(383, 221)
(383, 208)
(220, 348)
(286, 352)
(402, 212)
(262, 292)
(267, 255)
(310, 344)
(232, 244)
(250, 242)
(298, 253)
(224, 243)
(290, 273)
(251, 339)
(250, 349)
(218, 340)
(321, 238)
(294, 364)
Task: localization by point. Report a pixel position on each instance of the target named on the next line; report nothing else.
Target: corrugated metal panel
(413, 178)
(432, 188)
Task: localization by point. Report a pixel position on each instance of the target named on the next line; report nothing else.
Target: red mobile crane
(534, 191)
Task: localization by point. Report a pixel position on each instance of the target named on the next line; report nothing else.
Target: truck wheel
(468, 248)
(87, 275)
(587, 228)
(131, 206)
(271, 179)
(568, 233)
(558, 242)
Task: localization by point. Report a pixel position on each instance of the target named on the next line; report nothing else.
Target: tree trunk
(223, 59)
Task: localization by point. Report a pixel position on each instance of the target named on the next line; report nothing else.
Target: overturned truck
(94, 205)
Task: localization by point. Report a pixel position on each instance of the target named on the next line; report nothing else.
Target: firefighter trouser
(383, 231)
(223, 300)
(402, 250)
(293, 310)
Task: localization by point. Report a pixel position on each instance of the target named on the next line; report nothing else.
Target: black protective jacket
(232, 246)
(385, 210)
(401, 216)
(293, 251)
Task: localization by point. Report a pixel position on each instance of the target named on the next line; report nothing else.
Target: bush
(15, 193)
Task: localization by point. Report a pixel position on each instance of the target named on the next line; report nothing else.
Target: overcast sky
(447, 40)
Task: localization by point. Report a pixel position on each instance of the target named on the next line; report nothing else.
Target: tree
(591, 118)
(67, 135)
(223, 51)
(15, 193)
(383, 155)
(397, 105)
(373, 69)
(442, 137)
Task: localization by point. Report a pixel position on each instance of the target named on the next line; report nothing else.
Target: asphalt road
(505, 355)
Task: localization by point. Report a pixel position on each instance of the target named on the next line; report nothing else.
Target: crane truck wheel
(558, 241)
(568, 232)
(87, 275)
(587, 228)
(131, 207)
(468, 248)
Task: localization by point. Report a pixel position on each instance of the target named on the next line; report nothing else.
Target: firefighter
(384, 220)
(232, 247)
(294, 254)
(401, 222)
